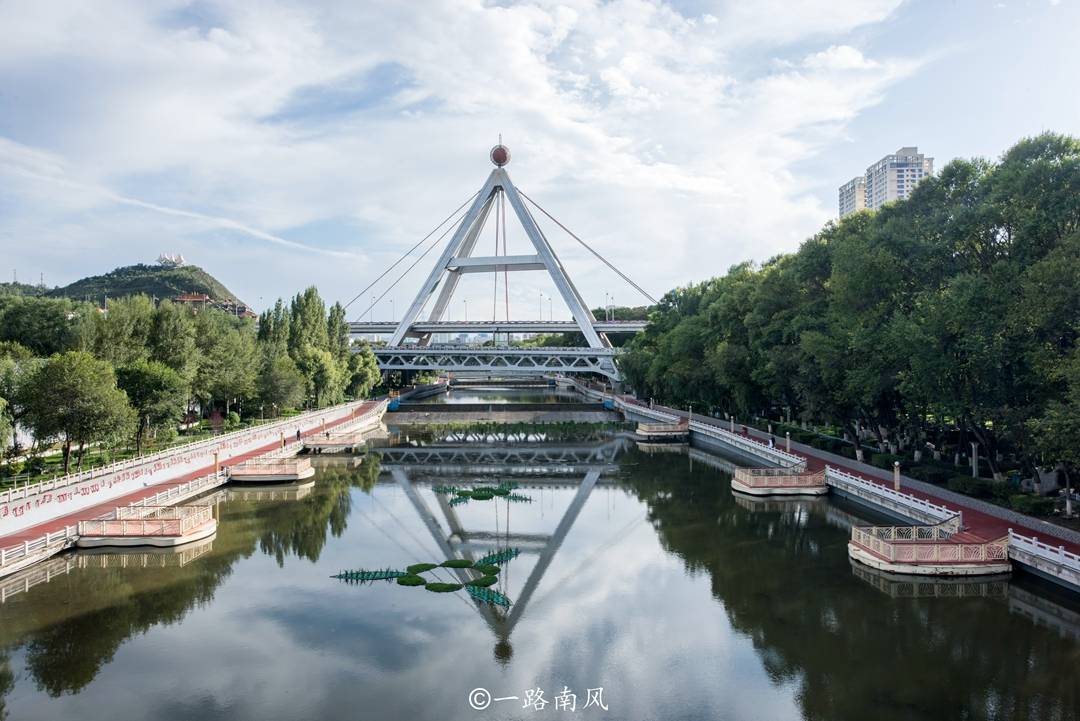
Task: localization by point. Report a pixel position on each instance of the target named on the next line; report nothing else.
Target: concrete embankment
(435, 413)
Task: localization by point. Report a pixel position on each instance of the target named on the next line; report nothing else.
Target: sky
(286, 144)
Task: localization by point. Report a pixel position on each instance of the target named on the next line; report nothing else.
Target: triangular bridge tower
(410, 345)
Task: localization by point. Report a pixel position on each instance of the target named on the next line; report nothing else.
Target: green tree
(73, 398)
(121, 335)
(281, 385)
(156, 392)
(363, 371)
(172, 338)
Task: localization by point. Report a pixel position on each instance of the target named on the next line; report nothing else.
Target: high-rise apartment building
(891, 178)
(853, 195)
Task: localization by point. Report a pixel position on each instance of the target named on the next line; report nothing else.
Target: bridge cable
(414, 264)
(588, 248)
(410, 250)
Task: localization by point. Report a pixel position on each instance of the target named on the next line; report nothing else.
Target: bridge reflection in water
(580, 466)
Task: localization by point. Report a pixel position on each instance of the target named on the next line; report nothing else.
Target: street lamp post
(466, 302)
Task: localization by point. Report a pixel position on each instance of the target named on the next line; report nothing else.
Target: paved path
(35, 532)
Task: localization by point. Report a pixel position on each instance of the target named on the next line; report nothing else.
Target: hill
(21, 289)
(154, 280)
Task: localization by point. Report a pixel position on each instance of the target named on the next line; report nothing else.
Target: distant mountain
(159, 281)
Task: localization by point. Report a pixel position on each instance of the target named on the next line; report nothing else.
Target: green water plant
(420, 567)
(481, 582)
(411, 580)
(487, 595)
(459, 500)
(483, 494)
(444, 490)
(443, 587)
(361, 575)
(499, 557)
(488, 569)
(456, 563)
(518, 498)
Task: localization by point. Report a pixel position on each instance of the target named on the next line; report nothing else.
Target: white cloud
(634, 124)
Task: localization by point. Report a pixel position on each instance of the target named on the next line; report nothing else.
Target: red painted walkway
(35, 532)
(978, 523)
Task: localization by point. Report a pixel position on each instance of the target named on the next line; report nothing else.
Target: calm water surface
(503, 394)
(640, 573)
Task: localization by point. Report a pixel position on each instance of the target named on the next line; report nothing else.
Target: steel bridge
(411, 343)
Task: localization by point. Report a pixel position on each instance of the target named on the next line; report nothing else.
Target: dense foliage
(947, 318)
(155, 281)
(72, 374)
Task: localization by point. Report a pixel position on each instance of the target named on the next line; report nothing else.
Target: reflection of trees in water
(299, 528)
(74, 625)
(7, 683)
(785, 582)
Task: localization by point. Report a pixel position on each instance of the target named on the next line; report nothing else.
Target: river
(640, 573)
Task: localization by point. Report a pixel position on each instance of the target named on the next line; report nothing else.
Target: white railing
(54, 541)
(193, 487)
(173, 521)
(749, 445)
(891, 499)
(779, 478)
(17, 493)
(272, 466)
(1054, 554)
(929, 551)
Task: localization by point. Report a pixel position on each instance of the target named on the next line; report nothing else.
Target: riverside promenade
(21, 537)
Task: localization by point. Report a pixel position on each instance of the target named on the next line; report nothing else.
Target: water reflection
(640, 572)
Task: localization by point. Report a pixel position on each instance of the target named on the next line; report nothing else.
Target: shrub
(974, 487)
(232, 420)
(930, 474)
(1032, 505)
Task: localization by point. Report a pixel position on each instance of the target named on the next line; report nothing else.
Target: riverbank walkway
(35, 532)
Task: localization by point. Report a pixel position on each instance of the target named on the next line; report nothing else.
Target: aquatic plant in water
(456, 563)
(444, 490)
(443, 587)
(459, 500)
(482, 494)
(420, 567)
(487, 595)
(518, 498)
(482, 581)
(488, 569)
(507, 554)
(411, 580)
(361, 575)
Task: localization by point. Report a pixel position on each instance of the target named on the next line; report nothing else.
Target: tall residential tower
(891, 178)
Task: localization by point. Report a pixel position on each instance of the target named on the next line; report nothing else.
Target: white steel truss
(503, 361)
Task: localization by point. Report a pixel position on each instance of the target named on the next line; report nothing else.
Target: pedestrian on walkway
(772, 441)
(298, 434)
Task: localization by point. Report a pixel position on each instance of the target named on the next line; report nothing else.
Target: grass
(444, 587)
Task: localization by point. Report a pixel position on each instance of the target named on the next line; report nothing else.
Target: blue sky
(283, 144)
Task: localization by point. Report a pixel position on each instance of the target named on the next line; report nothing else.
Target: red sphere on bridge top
(500, 155)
